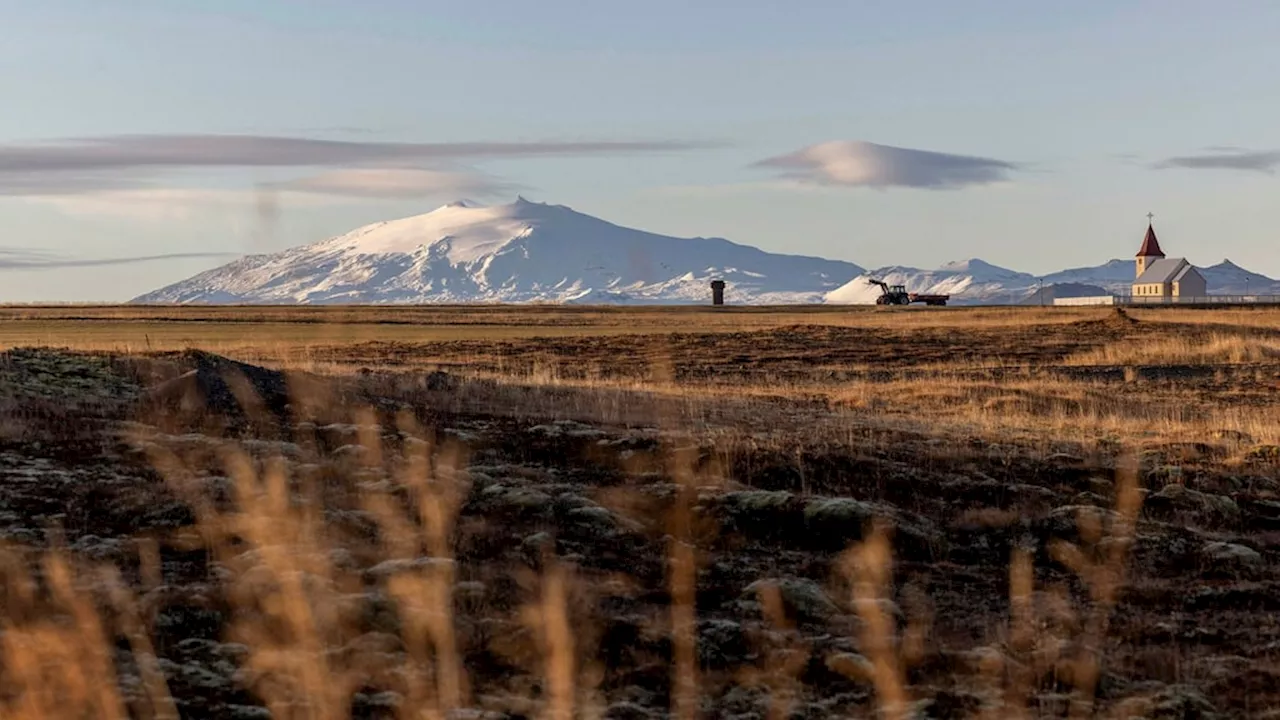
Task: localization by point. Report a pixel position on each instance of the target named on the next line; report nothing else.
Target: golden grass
(304, 661)
(1264, 316)
(1023, 405)
(870, 567)
(292, 612)
(1213, 349)
(1046, 406)
(287, 333)
(292, 603)
(286, 342)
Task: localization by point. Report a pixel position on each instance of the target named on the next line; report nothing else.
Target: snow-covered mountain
(522, 252)
(1046, 294)
(533, 252)
(975, 282)
(1116, 276)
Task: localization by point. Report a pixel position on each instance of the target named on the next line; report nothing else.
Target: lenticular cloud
(854, 163)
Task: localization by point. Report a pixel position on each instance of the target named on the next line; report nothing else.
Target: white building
(1157, 276)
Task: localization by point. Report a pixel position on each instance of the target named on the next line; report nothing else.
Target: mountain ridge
(520, 252)
(977, 282)
(463, 252)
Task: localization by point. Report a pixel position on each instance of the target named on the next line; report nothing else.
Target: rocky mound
(218, 390)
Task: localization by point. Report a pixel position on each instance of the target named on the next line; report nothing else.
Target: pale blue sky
(1078, 102)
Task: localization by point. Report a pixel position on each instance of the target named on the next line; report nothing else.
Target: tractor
(898, 295)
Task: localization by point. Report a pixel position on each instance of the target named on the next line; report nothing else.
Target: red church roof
(1150, 246)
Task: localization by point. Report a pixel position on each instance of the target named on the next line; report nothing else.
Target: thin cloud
(397, 183)
(38, 184)
(20, 259)
(155, 204)
(18, 254)
(1226, 158)
(266, 200)
(139, 152)
(89, 165)
(853, 163)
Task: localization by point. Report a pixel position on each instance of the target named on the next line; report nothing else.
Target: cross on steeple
(1150, 216)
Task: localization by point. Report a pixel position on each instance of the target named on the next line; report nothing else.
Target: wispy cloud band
(23, 259)
(1225, 158)
(170, 151)
(93, 164)
(396, 183)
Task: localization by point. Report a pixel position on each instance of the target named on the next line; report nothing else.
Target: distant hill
(1227, 278)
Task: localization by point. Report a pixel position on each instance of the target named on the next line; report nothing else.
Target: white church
(1158, 276)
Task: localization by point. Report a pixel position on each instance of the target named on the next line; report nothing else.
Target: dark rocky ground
(1194, 633)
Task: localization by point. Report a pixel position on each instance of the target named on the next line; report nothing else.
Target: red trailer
(929, 299)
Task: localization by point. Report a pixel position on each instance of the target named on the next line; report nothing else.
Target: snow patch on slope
(967, 281)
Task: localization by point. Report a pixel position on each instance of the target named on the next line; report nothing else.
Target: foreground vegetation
(634, 513)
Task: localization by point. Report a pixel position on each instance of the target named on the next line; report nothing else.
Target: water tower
(717, 292)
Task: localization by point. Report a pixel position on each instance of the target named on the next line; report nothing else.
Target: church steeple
(1150, 249)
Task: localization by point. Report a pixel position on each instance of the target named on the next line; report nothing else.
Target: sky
(143, 142)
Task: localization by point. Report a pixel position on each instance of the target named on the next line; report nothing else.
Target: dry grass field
(550, 512)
